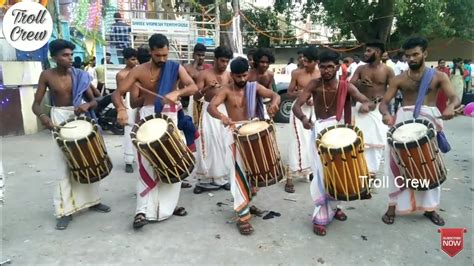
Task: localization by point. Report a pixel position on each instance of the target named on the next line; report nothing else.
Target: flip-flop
(256, 211)
(63, 222)
(340, 215)
(320, 230)
(100, 208)
(186, 185)
(180, 211)
(139, 221)
(435, 218)
(289, 188)
(388, 219)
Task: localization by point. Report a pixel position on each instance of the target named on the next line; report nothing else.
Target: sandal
(435, 218)
(256, 211)
(289, 188)
(244, 228)
(388, 218)
(100, 208)
(198, 190)
(320, 230)
(139, 221)
(340, 215)
(63, 222)
(186, 185)
(180, 211)
(226, 186)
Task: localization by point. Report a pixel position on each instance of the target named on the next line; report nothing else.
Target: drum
(83, 146)
(417, 154)
(257, 145)
(158, 140)
(341, 149)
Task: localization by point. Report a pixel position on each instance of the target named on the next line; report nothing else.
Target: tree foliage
(393, 20)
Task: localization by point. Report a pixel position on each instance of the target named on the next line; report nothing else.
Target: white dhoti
(128, 150)
(69, 195)
(325, 207)
(155, 199)
(211, 151)
(239, 185)
(375, 136)
(299, 147)
(408, 200)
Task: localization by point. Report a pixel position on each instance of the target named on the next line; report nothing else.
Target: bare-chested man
(260, 73)
(403, 199)
(130, 58)
(211, 173)
(372, 80)
(242, 102)
(69, 99)
(300, 58)
(156, 201)
(324, 92)
(250, 58)
(199, 54)
(299, 163)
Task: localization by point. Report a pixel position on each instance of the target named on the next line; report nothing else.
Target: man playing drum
(130, 57)
(428, 83)
(372, 80)
(299, 162)
(71, 95)
(210, 171)
(242, 102)
(328, 101)
(156, 201)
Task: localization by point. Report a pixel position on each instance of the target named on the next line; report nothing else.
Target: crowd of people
(328, 90)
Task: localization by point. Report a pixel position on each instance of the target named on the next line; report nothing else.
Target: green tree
(393, 20)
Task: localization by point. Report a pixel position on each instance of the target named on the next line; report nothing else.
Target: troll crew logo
(27, 26)
(452, 240)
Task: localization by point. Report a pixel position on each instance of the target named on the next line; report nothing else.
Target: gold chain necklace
(324, 98)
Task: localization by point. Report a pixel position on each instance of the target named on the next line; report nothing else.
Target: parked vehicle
(282, 81)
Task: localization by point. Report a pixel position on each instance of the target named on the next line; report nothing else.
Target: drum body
(81, 143)
(341, 149)
(257, 145)
(416, 151)
(158, 140)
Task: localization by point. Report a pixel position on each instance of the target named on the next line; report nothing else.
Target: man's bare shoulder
(297, 72)
(314, 83)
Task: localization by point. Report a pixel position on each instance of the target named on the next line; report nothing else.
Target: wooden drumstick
(154, 94)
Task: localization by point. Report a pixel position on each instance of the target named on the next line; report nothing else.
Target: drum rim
(134, 131)
(254, 136)
(344, 149)
(61, 141)
(364, 194)
(411, 144)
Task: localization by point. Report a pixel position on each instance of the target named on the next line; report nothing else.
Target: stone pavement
(208, 234)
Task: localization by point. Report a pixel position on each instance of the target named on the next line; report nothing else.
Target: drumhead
(339, 137)
(152, 130)
(75, 130)
(410, 132)
(253, 127)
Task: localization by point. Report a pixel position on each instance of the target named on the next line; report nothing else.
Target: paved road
(208, 235)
